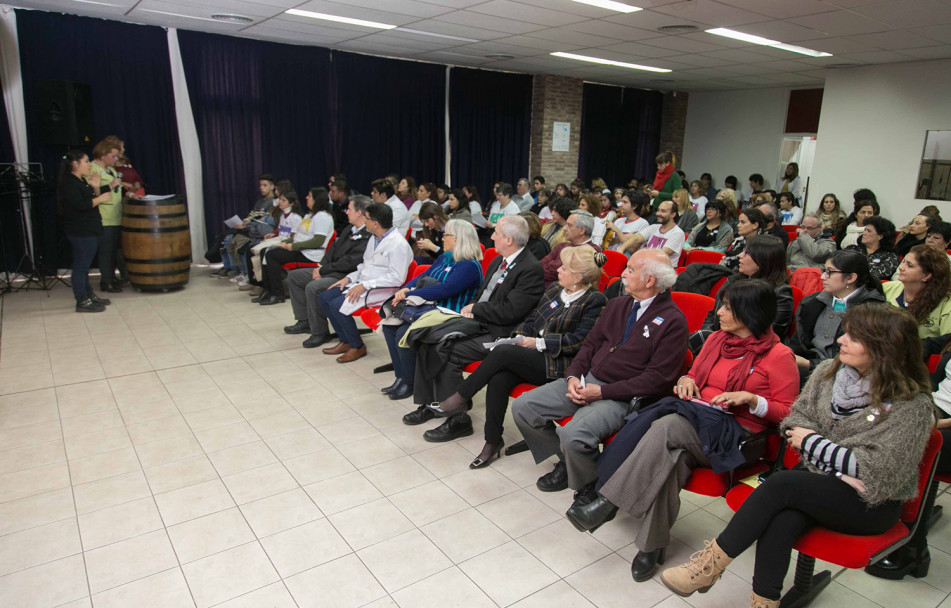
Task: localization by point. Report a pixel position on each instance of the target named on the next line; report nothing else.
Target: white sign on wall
(561, 135)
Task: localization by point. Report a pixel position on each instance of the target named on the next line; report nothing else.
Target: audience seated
(550, 337)
(289, 211)
(751, 222)
(665, 235)
(764, 259)
(636, 348)
(339, 192)
(381, 191)
(771, 211)
(812, 245)
(687, 217)
(847, 282)
(383, 270)
(743, 382)
(457, 208)
(306, 245)
(915, 233)
(513, 283)
(553, 231)
(536, 244)
(698, 198)
(428, 245)
(542, 206)
(450, 282)
(859, 465)
(341, 258)
(713, 233)
(790, 182)
(924, 288)
(577, 231)
(591, 203)
(222, 243)
(504, 205)
(878, 238)
(850, 229)
(631, 205)
(790, 212)
(424, 194)
(830, 212)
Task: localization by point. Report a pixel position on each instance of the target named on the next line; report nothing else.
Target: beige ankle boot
(758, 601)
(700, 573)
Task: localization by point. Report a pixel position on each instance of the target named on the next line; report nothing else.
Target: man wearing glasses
(812, 247)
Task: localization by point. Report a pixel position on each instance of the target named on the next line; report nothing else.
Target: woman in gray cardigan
(861, 425)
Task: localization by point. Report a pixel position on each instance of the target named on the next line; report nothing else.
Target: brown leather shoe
(339, 349)
(353, 354)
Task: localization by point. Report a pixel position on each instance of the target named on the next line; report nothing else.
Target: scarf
(850, 392)
(749, 350)
(662, 176)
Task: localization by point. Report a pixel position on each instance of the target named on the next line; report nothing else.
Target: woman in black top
(79, 207)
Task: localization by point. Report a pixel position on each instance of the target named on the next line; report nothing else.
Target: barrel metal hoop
(154, 216)
(156, 230)
(181, 258)
(157, 274)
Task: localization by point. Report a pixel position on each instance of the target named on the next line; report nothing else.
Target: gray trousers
(577, 443)
(304, 292)
(648, 484)
(449, 376)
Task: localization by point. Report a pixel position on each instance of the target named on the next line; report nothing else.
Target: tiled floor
(180, 450)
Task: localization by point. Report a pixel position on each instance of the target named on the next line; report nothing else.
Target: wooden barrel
(156, 243)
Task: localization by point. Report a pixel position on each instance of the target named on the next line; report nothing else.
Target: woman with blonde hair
(548, 339)
(687, 217)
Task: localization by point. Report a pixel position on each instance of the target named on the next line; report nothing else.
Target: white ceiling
(856, 32)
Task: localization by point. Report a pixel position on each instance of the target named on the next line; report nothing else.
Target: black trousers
(783, 507)
(274, 258)
(502, 370)
(110, 254)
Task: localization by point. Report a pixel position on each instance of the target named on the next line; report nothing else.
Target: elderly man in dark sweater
(637, 347)
(578, 229)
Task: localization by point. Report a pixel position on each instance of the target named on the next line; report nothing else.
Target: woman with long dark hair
(877, 245)
(924, 288)
(429, 243)
(861, 426)
(78, 206)
(850, 229)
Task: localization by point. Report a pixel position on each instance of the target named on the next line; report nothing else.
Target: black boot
(901, 562)
(590, 516)
(402, 391)
(645, 563)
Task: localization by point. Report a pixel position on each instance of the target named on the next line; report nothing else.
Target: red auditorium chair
(615, 264)
(695, 307)
(792, 231)
(702, 256)
(847, 550)
(487, 256)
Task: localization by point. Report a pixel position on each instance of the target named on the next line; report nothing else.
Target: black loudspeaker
(63, 113)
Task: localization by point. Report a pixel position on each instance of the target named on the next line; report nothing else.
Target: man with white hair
(636, 348)
(578, 228)
(524, 198)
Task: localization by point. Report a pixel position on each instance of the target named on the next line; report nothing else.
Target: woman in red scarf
(743, 381)
(666, 181)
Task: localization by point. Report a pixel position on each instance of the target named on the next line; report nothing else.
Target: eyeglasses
(828, 273)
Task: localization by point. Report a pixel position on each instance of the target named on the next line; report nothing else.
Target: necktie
(631, 320)
(493, 282)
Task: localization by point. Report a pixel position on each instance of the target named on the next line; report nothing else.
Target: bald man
(636, 348)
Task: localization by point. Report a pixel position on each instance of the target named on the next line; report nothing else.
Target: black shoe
(478, 463)
(98, 300)
(402, 391)
(110, 288)
(591, 515)
(272, 299)
(555, 481)
(420, 415)
(586, 494)
(314, 341)
(452, 428)
(389, 389)
(896, 565)
(124, 281)
(645, 563)
(264, 296)
(88, 305)
(301, 327)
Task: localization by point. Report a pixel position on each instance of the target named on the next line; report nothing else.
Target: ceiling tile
(908, 13)
(605, 29)
(258, 12)
(783, 31)
(651, 20)
(575, 8)
(709, 12)
(780, 9)
(684, 45)
(942, 51)
(505, 9)
(940, 33)
(699, 60)
(454, 29)
(488, 22)
(750, 54)
(301, 32)
(876, 57)
(547, 44)
(356, 12)
(490, 47)
(840, 23)
(633, 50)
(411, 8)
(896, 39)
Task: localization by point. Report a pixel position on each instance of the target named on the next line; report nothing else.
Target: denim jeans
(225, 255)
(84, 250)
(346, 328)
(404, 359)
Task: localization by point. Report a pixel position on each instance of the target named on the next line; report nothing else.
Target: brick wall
(555, 99)
(673, 123)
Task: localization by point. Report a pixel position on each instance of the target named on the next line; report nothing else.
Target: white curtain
(12, 82)
(191, 151)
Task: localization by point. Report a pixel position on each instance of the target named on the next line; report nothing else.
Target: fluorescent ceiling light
(99, 3)
(619, 64)
(148, 10)
(801, 50)
(422, 33)
(776, 44)
(611, 5)
(326, 17)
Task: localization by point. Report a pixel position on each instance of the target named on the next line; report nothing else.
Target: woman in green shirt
(105, 155)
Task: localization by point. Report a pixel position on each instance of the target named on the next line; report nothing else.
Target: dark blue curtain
(128, 70)
(259, 107)
(389, 117)
(490, 122)
(620, 133)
